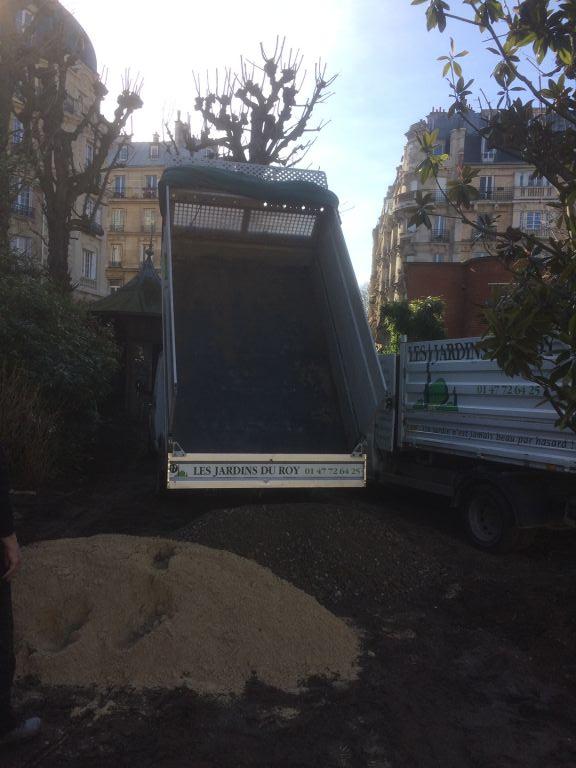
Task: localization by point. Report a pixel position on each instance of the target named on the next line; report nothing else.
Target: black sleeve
(6, 518)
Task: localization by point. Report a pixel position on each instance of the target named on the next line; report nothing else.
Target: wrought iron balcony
(23, 209)
(497, 195)
(406, 199)
(117, 227)
(114, 264)
(134, 193)
(148, 227)
(439, 237)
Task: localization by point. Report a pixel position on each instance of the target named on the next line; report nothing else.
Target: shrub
(29, 429)
(64, 360)
(418, 320)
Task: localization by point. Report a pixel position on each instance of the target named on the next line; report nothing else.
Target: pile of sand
(127, 611)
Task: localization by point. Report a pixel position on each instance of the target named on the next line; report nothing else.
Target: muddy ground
(469, 659)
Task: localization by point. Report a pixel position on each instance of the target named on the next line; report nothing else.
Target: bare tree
(255, 115)
(40, 67)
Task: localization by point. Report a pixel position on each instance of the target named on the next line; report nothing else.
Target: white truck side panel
(455, 401)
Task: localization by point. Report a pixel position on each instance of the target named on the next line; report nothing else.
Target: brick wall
(465, 288)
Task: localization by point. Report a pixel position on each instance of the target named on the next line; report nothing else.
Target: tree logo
(437, 396)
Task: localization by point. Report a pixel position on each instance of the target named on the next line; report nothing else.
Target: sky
(388, 76)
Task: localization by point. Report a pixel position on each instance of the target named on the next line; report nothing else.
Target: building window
(438, 149)
(144, 251)
(439, 232)
(17, 131)
(22, 203)
(529, 180)
(115, 254)
(123, 154)
(149, 220)
(119, 186)
(89, 154)
(154, 151)
(117, 220)
(21, 245)
(438, 258)
(486, 187)
(114, 285)
(488, 153)
(485, 228)
(89, 207)
(23, 19)
(88, 266)
(531, 221)
(151, 187)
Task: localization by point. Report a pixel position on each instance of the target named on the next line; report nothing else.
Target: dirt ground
(469, 659)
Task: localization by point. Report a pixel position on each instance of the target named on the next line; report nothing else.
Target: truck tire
(489, 520)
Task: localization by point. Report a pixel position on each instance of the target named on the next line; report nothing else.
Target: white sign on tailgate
(258, 471)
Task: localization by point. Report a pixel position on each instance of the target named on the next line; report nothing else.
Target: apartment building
(28, 231)
(450, 260)
(132, 219)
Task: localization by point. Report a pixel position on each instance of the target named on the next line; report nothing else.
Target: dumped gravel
(152, 613)
(344, 555)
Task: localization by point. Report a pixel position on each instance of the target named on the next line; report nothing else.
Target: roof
(141, 296)
(75, 37)
(203, 176)
(139, 156)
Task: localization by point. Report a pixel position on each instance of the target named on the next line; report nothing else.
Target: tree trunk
(6, 93)
(58, 243)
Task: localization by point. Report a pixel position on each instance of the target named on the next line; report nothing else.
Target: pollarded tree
(257, 115)
(532, 324)
(38, 60)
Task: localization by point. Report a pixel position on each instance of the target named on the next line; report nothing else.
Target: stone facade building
(448, 261)
(132, 215)
(28, 231)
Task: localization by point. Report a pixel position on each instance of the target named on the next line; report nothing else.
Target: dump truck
(269, 375)
(454, 424)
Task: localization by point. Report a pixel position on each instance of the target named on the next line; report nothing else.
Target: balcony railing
(542, 231)
(497, 195)
(117, 227)
(23, 209)
(134, 193)
(406, 199)
(439, 237)
(88, 282)
(535, 193)
(148, 227)
(114, 264)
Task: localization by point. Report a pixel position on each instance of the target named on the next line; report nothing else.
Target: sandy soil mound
(128, 611)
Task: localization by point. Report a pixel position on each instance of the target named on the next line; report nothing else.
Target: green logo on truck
(436, 395)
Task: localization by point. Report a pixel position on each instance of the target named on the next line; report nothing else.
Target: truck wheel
(489, 521)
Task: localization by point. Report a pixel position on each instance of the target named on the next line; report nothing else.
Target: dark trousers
(6, 656)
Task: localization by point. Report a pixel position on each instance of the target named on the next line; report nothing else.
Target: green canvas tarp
(237, 183)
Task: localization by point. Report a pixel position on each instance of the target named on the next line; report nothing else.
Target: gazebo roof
(141, 296)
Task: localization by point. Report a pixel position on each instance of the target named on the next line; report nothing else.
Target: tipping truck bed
(270, 373)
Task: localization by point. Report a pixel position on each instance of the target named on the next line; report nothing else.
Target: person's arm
(11, 550)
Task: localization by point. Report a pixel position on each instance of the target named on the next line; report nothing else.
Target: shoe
(26, 730)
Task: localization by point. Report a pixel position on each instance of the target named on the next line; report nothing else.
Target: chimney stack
(181, 131)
